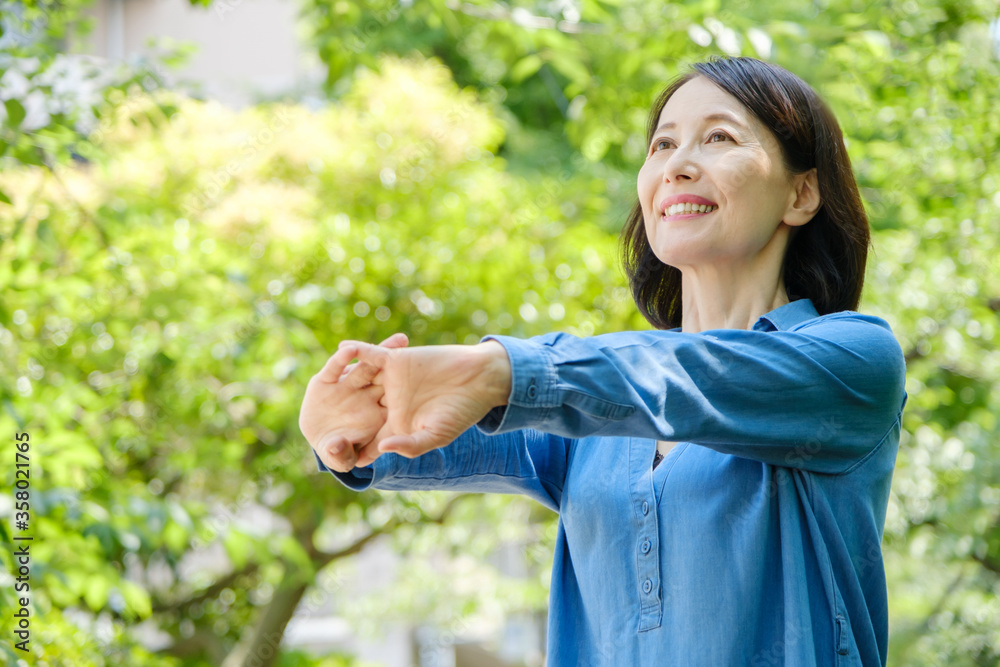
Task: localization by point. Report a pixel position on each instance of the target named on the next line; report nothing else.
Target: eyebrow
(713, 116)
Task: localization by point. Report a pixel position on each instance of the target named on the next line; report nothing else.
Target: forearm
(495, 378)
(524, 462)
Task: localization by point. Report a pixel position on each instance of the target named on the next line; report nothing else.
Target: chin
(677, 256)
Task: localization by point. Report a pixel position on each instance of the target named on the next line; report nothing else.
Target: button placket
(647, 556)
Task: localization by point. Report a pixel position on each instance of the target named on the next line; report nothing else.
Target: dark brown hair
(825, 258)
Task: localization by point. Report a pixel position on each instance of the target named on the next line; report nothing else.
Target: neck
(727, 296)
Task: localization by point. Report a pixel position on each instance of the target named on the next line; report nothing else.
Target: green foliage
(301, 659)
(164, 305)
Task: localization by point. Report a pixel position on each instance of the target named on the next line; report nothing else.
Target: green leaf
(137, 598)
(15, 112)
(525, 67)
(175, 537)
(570, 67)
(105, 535)
(26, 153)
(238, 547)
(96, 594)
(4, 198)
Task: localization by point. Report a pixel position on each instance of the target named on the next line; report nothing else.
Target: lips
(685, 199)
(686, 206)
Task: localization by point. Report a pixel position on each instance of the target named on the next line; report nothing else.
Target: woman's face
(714, 188)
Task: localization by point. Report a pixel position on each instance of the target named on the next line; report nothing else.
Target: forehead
(698, 98)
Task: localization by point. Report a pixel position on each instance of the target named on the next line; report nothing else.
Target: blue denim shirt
(756, 541)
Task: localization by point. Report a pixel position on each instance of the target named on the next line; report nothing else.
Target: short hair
(825, 258)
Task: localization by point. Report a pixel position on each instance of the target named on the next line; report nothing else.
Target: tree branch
(19, 225)
(202, 641)
(212, 591)
(987, 562)
(84, 213)
(259, 647)
(322, 558)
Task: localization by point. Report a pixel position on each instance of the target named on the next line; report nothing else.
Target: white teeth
(687, 207)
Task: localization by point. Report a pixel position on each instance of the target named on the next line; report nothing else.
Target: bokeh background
(179, 255)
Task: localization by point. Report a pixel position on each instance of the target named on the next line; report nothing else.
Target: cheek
(643, 183)
(646, 183)
(735, 176)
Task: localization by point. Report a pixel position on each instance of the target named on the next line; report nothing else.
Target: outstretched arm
(818, 397)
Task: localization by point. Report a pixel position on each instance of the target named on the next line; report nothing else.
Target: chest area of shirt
(611, 484)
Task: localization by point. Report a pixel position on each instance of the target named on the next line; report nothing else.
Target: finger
(412, 445)
(347, 351)
(347, 371)
(396, 340)
(376, 392)
(360, 375)
(368, 454)
(335, 365)
(336, 452)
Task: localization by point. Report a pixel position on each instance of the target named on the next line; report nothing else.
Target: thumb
(412, 445)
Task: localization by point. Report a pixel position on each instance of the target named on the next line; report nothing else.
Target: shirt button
(532, 392)
(645, 507)
(647, 586)
(645, 547)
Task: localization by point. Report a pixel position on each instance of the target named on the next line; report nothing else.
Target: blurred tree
(159, 364)
(164, 305)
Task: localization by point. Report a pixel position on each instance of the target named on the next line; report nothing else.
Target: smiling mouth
(687, 209)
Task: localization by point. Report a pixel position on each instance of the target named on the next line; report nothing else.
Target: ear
(806, 199)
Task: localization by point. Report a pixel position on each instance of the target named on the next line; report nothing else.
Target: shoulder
(864, 345)
(853, 329)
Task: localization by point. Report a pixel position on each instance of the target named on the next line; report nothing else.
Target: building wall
(246, 49)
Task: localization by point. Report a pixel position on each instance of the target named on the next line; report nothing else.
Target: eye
(665, 143)
(717, 133)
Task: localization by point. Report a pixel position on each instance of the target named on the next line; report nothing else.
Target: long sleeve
(526, 462)
(818, 395)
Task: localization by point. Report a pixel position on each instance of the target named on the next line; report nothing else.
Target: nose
(682, 165)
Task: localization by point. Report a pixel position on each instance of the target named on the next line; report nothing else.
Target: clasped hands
(395, 398)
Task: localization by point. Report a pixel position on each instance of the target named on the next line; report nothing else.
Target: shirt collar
(785, 317)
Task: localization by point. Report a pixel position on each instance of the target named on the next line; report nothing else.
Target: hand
(433, 394)
(341, 413)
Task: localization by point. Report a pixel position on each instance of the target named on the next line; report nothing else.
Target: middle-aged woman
(722, 481)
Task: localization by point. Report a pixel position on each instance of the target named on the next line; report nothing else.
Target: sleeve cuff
(533, 390)
(359, 479)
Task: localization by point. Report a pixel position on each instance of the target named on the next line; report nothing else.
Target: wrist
(495, 372)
